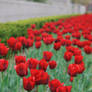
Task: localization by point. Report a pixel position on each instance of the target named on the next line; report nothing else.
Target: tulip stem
(36, 89)
(66, 68)
(2, 81)
(45, 88)
(17, 84)
(2, 76)
(21, 86)
(22, 90)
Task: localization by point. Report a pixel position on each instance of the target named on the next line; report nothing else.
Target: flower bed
(57, 58)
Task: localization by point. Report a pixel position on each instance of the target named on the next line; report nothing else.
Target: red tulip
(52, 64)
(78, 59)
(68, 56)
(33, 26)
(47, 55)
(77, 52)
(48, 40)
(22, 39)
(43, 65)
(28, 83)
(20, 59)
(29, 43)
(21, 69)
(68, 42)
(72, 69)
(57, 45)
(32, 63)
(38, 38)
(18, 46)
(88, 49)
(71, 79)
(61, 89)
(68, 88)
(11, 42)
(54, 84)
(81, 67)
(36, 32)
(68, 37)
(3, 50)
(38, 44)
(3, 65)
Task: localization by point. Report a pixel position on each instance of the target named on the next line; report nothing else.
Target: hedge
(19, 28)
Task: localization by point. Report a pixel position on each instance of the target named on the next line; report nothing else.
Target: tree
(82, 2)
(38, 0)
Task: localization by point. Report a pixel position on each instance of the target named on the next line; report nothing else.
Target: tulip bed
(55, 58)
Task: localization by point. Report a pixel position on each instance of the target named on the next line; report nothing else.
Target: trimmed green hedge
(19, 28)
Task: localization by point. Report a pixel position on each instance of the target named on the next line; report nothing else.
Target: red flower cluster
(19, 42)
(48, 39)
(21, 66)
(56, 86)
(74, 69)
(14, 44)
(40, 76)
(38, 68)
(37, 77)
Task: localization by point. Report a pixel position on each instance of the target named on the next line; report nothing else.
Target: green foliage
(38, 0)
(82, 83)
(19, 28)
(10, 82)
(84, 2)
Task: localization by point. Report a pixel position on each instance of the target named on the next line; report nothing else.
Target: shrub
(19, 28)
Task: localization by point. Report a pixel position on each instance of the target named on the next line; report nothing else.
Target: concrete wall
(11, 10)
